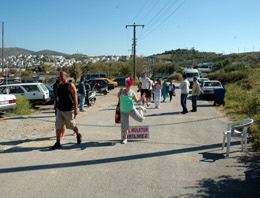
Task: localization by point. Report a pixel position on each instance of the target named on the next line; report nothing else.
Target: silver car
(7, 102)
(208, 87)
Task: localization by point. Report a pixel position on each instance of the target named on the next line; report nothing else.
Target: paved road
(182, 158)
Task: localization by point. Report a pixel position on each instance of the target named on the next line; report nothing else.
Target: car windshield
(31, 88)
(48, 87)
(189, 75)
(212, 84)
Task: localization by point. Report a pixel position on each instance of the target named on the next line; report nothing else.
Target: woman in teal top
(164, 90)
(127, 96)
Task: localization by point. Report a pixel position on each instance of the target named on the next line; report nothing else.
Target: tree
(27, 73)
(141, 66)
(75, 71)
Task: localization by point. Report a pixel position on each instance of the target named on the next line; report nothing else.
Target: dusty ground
(18, 129)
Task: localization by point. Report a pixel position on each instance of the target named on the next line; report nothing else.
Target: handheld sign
(141, 132)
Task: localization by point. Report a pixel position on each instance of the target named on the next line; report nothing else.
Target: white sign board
(138, 133)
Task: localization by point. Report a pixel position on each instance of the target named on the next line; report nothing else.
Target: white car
(36, 93)
(208, 87)
(7, 102)
(201, 80)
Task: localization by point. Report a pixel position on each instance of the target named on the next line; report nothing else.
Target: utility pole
(134, 57)
(2, 48)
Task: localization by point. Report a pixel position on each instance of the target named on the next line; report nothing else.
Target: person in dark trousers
(184, 86)
(195, 93)
(82, 92)
(67, 109)
(88, 90)
(171, 90)
(56, 99)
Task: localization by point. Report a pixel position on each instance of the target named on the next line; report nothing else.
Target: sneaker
(124, 141)
(79, 138)
(143, 109)
(74, 134)
(56, 145)
(62, 138)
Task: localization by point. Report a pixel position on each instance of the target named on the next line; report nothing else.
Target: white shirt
(184, 86)
(171, 87)
(145, 83)
(151, 86)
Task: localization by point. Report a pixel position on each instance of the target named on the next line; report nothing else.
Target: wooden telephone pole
(134, 57)
(2, 48)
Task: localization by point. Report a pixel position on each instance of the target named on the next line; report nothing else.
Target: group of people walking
(165, 90)
(67, 105)
(157, 89)
(147, 87)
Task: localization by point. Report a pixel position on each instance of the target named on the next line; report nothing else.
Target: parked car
(100, 85)
(7, 102)
(110, 81)
(102, 81)
(208, 87)
(94, 75)
(36, 93)
(51, 93)
(201, 80)
(120, 81)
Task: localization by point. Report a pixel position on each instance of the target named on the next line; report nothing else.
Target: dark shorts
(149, 94)
(144, 91)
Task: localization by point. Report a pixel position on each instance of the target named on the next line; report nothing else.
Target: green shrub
(239, 98)
(24, 107)
(177, 77)
(228, 77)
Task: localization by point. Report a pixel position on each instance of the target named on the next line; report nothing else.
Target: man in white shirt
(150, 90)
(184, 86)
(145, 85)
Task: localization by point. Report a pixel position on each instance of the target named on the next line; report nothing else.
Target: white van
(190, 74)
(36, 93)
(205, 68)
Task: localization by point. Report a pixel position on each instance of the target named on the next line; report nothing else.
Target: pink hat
(130, 82)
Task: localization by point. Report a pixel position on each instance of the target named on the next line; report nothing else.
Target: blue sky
(98, 27)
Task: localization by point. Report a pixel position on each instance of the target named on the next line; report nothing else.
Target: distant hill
(185, 57)
(14, 51)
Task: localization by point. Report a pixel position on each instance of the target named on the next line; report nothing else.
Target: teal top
(165, 89)
(126, 102)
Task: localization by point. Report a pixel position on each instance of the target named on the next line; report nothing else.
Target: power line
(166, 5)
(160, 15)
(164, 20)
(147, 13)
(140, 11)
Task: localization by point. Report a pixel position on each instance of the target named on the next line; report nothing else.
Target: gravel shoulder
(18, 129)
